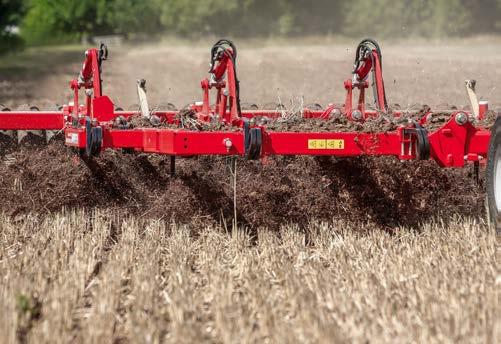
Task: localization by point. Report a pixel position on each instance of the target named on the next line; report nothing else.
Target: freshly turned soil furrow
(382, 191)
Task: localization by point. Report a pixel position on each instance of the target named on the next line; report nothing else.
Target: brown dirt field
(114, 249)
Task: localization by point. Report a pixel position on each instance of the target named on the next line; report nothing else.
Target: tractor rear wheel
(494, 178)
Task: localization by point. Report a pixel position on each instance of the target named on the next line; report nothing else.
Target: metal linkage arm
(223, 63)
(90, 75)
(369, 59)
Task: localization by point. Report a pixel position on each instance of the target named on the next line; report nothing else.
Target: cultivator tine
(7, 136)
(31, 137)
(53, 134)
(143, 101)
(472, 96)
(172, 166)
(50, 135)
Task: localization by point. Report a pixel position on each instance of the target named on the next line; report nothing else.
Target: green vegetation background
(66, 21)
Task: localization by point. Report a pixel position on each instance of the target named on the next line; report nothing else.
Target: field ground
(99, 277)
(114, 275)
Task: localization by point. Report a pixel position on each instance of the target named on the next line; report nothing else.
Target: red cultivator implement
(221, 125)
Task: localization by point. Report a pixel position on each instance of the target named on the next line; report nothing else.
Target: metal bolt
(356, 115)
(335, 113)
(461, 118)
(228, 144)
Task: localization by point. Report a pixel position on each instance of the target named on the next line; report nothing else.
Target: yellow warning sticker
(325, 144)
(317, 144)
(335, 144)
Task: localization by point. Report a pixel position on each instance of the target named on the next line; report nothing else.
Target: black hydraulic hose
(102, 56)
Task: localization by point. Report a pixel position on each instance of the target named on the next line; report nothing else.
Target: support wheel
(494, 178)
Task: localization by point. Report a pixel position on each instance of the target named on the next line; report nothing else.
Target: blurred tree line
(11, 12)
(60, 21)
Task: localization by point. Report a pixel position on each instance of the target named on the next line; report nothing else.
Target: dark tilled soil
(186, 120)
(380, 191)
(382, 123)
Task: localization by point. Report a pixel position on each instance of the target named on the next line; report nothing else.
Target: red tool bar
(32, 120)
(336, 144)
(178, 142)
(165, 141)
(193, 143)
(186, 143)
(448, 148)
(123, 139)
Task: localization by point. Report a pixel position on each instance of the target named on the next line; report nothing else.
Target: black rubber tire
(493, 176)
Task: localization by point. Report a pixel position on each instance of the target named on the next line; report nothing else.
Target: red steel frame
(454, 144)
